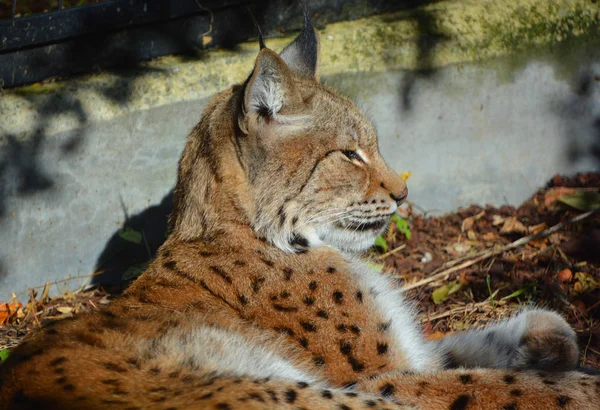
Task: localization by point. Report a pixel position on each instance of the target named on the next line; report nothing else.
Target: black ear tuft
(261, 40)
(302, 55)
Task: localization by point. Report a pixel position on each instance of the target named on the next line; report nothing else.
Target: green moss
(40, 88)
(564, 38)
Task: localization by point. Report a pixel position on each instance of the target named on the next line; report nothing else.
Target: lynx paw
(548, 343)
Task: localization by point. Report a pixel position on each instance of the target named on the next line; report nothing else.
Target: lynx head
(305, 161)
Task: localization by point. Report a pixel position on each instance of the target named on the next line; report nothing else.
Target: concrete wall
(482, 102)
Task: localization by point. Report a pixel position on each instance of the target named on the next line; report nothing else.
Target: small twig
(588, 310)
(261, 40)
(587, 346)
(147, 246)
(393, 251)
(100, 272)
(33, 302)
(593, 350)
(488, 254)
(564, 257)
(471, 307)
(210, 24)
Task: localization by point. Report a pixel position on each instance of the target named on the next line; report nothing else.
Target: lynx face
(313, 163)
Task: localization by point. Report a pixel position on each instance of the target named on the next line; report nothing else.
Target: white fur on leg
(504, 344)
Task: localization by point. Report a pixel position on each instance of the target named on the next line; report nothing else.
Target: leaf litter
(486, 263)
(463, 269)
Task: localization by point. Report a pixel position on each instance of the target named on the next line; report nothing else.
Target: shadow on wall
(580, 114)
(24, 172)
(429, 38)
(131, 248)
(20, 158)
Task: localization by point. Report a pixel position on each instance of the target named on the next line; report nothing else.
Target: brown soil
(560, 271)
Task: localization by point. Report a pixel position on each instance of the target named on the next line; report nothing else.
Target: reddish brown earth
(561, 271)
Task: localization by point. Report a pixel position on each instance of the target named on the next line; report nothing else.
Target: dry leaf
(206, 40)
(565, 275)
(579, 305)
(555, 193)
(513, 225)
(537, 228)
(585, 282)
(459, 248)
(558, 238)
(489, 236)
(497, 220)
(467, 223)
(69, 297)
(472, 235)
(45, 292)
(437, 335)
(9, 309)
(539, 244)
(65, 310)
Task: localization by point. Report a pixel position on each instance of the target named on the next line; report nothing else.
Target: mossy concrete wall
(482, 101)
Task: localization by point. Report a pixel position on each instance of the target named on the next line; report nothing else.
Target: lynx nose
(400, 197)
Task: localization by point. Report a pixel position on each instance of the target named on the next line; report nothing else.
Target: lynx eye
(352, 155)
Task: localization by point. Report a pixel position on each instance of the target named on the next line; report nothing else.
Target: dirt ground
(463, 269)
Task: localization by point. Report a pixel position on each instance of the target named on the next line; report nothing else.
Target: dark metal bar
(61, 25)
(13, 9)
(60, 3)
(121, 33)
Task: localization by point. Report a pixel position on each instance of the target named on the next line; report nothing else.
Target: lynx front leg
(534, 339)
(488, 389)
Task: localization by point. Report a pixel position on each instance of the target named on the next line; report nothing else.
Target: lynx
(258, 299)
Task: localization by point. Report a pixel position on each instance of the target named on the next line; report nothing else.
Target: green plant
(380, 242)
(402, 225)
(4, 353)
(130, 235)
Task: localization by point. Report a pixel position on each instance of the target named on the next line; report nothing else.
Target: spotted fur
(258, 300)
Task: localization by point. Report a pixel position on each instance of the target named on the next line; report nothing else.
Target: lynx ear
(302, 55)
(269, 86)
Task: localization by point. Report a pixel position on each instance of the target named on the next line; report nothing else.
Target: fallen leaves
(582, 200)
(17, 319)
(552, 263)
(468, 222)
(584, 283)
(9, 310)
(512, 225)
(556, 193)
(565, 275)
(441, 293)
